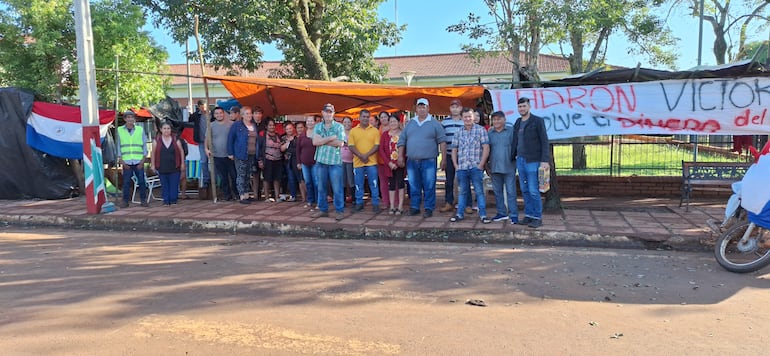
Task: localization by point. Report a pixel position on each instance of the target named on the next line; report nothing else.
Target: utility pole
(89, 110)
(700, 56)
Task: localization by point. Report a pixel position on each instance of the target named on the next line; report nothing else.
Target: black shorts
(396, 180)
(272, 170)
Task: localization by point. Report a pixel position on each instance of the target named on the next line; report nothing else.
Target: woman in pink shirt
(395, 174)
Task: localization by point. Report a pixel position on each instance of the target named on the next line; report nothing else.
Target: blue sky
(426, 33)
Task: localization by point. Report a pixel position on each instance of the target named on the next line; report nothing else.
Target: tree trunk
(576, 59)
(77, 169)
(579, 156)
(720, 47)
(316, 66)
(604, 35)
(533, 49)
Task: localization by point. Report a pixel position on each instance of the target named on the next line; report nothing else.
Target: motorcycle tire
(753, 256)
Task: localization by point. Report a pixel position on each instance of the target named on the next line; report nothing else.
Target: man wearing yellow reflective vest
(132, 152)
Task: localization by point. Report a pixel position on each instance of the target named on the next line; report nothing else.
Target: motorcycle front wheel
(740, 255)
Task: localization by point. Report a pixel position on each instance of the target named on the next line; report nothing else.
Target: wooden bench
(710, 176)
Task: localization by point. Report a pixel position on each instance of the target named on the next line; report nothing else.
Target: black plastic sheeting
(26, 173)
(168, 110)
(631, 75)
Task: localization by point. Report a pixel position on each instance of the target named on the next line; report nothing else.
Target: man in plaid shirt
(470, 157)
(328, 137)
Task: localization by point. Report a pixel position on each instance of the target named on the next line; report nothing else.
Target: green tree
(577, 27)
(588, 26)
(728, 20)
(320, 39)
(518, 25)
(118, 36)
(38, 50)
(757, 50)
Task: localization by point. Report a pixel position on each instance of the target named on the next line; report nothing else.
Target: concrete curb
(540, 237)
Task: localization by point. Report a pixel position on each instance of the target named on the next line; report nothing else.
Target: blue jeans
(204, 166)
(225, 169)
(500, 180)
(293, 177)
(309, 177)
(533, 206)
(169, 187)
(466, 177)
(422, 179)
(128, 185)
(330, 173)
(449, 185)
(371, 174)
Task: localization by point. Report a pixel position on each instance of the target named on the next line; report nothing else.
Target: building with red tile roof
(428, 70)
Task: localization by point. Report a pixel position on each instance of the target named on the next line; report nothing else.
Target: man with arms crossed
(328, 137)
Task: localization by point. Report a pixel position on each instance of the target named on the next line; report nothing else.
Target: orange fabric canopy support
(303, 96)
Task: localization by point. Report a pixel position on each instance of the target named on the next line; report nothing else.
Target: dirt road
(83, 293)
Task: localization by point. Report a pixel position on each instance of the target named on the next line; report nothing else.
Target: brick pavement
(588, 221)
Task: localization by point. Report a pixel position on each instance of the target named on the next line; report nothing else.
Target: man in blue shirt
(421, 141)
(502, 169)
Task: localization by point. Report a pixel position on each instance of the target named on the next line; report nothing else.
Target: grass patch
(642, 159)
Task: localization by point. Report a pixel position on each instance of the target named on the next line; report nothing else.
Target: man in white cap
(329, 137)
(421, 141)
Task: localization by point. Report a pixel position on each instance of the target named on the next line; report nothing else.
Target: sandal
(455, 218)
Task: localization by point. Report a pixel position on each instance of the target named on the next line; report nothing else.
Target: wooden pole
(207, 143)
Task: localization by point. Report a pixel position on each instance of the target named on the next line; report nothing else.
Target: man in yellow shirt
(364, 141)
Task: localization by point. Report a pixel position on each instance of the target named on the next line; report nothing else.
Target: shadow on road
(126, 275)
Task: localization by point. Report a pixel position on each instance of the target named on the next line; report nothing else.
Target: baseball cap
(129, 113)
(498, 113)
(235, 108)
(328, 107)
(456, 102)
(422, 101)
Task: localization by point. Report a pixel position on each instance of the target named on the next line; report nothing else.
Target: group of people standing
(468, 150)
(319, 158)
(372, 153)
(167, 159)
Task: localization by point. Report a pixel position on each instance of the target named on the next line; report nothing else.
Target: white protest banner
(713, 106)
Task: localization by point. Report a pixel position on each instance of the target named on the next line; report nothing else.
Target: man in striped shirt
(452, 125)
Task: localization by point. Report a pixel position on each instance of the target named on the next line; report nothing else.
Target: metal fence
(646, 155)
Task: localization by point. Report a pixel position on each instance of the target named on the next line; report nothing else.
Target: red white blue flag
(57, 129)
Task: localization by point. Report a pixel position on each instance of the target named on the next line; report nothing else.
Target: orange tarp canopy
(303, 96)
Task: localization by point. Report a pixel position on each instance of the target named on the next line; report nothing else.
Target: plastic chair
(152, 183)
